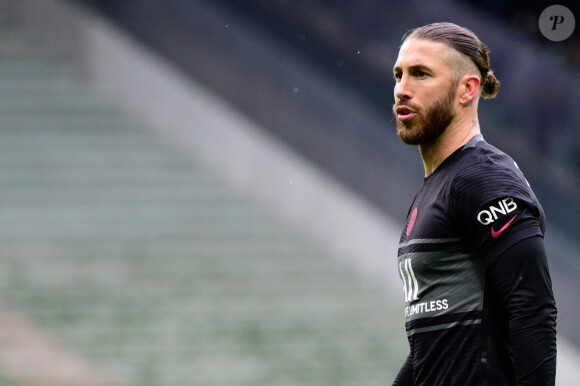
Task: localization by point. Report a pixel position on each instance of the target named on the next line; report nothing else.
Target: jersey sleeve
(493, 208)
(405, 375)
(522, 281)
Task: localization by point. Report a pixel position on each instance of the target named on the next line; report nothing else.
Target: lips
(404, 113)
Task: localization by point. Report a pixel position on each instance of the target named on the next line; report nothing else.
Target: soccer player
(479, 307)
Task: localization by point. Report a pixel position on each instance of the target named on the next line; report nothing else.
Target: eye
(397, 76)
(420, 74)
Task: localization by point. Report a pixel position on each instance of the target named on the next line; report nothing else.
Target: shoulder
(486, 172)
(486, 181)
(490, 197)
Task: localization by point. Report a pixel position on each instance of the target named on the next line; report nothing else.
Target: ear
(468, 87)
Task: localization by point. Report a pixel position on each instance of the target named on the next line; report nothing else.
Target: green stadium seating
(155, 268)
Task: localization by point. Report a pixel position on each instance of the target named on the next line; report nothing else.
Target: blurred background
(210, 192)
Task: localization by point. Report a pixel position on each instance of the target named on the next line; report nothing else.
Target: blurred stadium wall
(316, 75)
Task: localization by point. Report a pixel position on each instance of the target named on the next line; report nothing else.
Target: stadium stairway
(156, 270)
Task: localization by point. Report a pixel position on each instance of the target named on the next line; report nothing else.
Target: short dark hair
(466, 42)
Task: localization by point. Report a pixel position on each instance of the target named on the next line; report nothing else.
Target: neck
(457, 134)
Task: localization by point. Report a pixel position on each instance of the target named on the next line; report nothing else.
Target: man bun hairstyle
(466, 42)
(490, 86)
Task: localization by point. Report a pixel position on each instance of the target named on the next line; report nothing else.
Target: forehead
(421, 52)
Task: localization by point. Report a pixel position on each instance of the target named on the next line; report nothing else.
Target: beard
(426, 126)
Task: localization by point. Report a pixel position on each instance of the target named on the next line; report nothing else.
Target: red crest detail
(411, 221)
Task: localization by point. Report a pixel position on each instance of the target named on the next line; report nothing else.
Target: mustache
(404, 103)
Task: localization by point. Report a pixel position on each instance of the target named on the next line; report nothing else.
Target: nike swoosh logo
(495, 234)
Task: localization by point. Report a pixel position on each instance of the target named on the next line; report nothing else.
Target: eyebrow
(414, 67)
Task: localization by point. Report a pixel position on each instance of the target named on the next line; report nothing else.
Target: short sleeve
(493, 208)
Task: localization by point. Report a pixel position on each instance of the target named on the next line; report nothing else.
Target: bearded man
(479, 306)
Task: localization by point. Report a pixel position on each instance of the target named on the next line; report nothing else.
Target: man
(479, 306)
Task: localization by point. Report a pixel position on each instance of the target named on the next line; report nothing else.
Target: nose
(402, 90)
